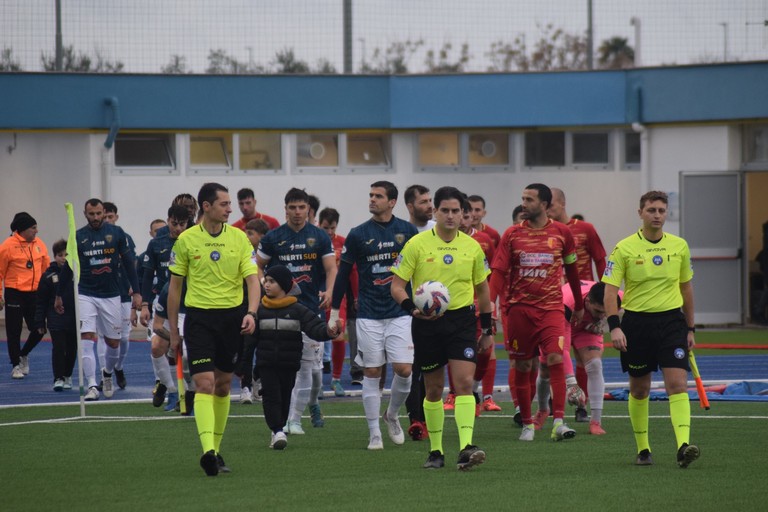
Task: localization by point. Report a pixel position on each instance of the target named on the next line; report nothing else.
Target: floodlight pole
(725, 40)
(347, 36)
(635, 22)
(59, 43)
(590, 32)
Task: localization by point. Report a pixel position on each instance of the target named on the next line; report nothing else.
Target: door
(711, 222)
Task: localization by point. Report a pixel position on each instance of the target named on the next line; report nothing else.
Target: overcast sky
(143, 34)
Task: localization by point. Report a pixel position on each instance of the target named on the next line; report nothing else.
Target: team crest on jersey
(679, 353)
(172, 260)
(658, 260)
(400, 238)
(311, 242)
(447, 259)
(108, 238)
(551, 242)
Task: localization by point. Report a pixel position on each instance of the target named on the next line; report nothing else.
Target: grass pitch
(134, 457)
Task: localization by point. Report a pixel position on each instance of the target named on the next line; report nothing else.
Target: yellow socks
(680, 414)
(221, 411)
(205, 420)
(464, 412)
(638, 415)
(435, 417)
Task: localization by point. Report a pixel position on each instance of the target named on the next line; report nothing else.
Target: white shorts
(101, 315)
(125, 309)
(382, 341)
(167, 324)
(312, 351)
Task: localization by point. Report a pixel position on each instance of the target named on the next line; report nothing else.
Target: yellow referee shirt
(459, 264)
(652, 272)
(214, 266)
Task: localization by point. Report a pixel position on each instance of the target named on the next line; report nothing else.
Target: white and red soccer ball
(432, 298)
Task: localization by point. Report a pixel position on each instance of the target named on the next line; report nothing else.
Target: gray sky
(144, 34)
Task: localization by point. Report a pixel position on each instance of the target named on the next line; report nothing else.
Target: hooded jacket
(45, 315)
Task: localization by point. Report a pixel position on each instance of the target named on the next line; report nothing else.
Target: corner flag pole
(74, 264)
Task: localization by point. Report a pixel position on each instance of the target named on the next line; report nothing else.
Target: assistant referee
(455, 259)
(214, 258)
(654, 333)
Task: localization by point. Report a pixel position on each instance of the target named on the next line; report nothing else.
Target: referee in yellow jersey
(214, 258)
(654, 332)
(455, 259)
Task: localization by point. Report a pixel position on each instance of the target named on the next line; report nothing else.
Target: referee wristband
(486, 321)
(613, 322)
(408, 306)
(691, 329)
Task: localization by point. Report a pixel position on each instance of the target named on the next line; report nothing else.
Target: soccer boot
(316, 416)
(540, 418)
(92, 394)
(58, 385)
(435, 460)
(596, 429)
(338, 389)
(210, 463)
(450, 402)
(417, 430)
(562, 431)
(375, 442)
(394, 429)
(469, 457)
(107, 388)
(279, 441)
(644, 458)
(24, 364)
(223, 468)
(246, 395)
(16, 373)
(581, 415)
(158, 394)
(173, 401)
(293, 428)
(120, 378)
(527, 433)
(490, 405)
(687, 454)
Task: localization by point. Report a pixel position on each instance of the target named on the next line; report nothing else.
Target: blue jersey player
(307, 252)
(383, 327)
(101, 249)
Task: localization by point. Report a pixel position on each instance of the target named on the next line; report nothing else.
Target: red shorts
(528, 329)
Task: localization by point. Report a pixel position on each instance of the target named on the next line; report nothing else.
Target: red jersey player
(477, 203)
(527, 270)
(589, 247)
(247, 203)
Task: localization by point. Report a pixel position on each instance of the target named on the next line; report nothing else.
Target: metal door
(711, 221)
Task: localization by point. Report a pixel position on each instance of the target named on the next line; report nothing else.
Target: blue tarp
(744, 391)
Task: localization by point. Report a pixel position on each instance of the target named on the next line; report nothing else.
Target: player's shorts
(213, 338)
(101, 315)
(125, 310)
(654, 340)
(312, 351)
(529, 328)
(587, 340)
(383, 341)
(452, 336)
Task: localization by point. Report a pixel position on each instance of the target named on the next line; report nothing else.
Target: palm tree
(615, 53)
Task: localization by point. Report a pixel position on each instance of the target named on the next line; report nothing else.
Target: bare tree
(81, 62)
(7, 62)
(176, 66)
(438, 62)
(393, 60)
(285, 62)
(615, 53)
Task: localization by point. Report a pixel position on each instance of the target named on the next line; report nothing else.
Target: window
(590, 149)
(632, 150)
(368, 150)
(317, 150)
(260, 151)
(211, 151)
(488, 149)
(438, 149)
(545, 149)
(145, 150)
(755, 146)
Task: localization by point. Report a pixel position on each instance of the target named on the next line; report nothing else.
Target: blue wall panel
(290, 102)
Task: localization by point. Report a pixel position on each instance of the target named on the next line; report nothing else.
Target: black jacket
(46, 295)
(279, 324)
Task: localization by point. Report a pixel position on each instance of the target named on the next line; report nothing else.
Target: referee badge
(215, 255)
(658, 260)
(679, 353)
(469, 353)
(447, 259)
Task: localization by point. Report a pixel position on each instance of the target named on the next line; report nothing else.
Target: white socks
(301, 390)
(89, 363)
(401, 387)
(163, 372)
(595, 387)
(372, 403)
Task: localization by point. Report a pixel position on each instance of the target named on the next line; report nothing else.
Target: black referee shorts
(452, 336)
(654, 340)
(213, 338)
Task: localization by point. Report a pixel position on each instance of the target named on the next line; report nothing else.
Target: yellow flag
(72, 259)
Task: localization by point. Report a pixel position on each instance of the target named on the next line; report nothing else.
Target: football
(432, 298)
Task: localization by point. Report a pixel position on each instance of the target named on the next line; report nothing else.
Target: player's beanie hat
(22, 221)
(282, 277)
